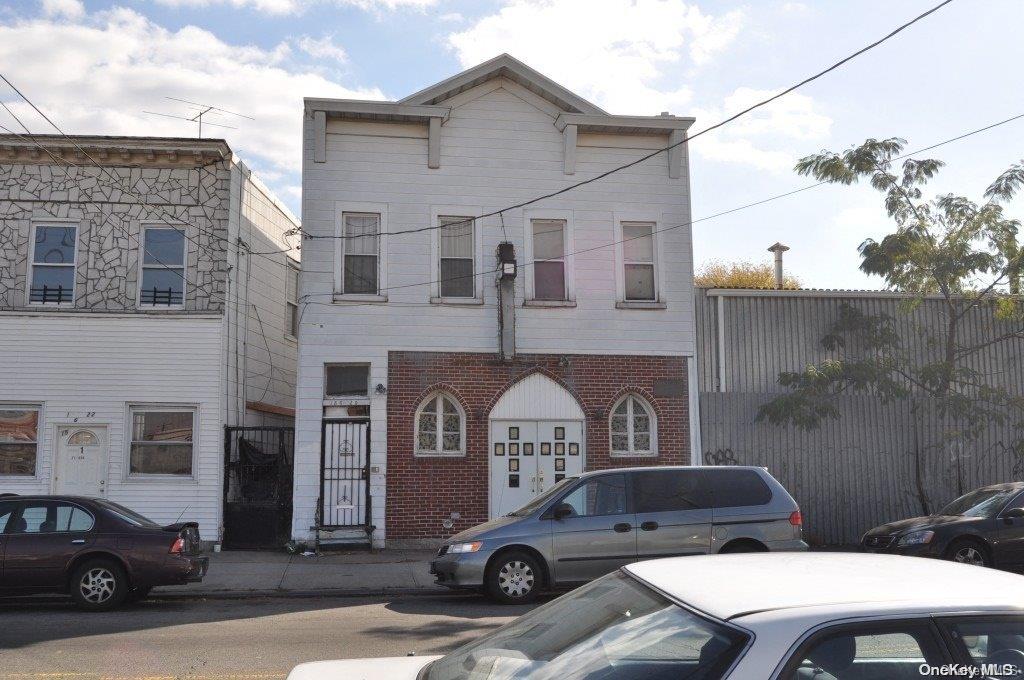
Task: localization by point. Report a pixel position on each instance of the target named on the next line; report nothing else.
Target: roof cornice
(111, 150)
(361, 109)
(635, 124)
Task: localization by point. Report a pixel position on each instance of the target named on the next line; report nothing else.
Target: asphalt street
(241, 639)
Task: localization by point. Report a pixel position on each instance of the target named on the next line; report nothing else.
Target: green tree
(952, 250)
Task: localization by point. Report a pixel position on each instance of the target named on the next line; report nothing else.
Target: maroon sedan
(101, 553)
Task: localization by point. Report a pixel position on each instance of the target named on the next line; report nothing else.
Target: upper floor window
(292, 297)
(53, 265)
(19, 440)
(440, 427)
(162, 283)
(360, 253)
(456, 267)
(633, 427)
(549, 276)
(638, 268)
(162, 441)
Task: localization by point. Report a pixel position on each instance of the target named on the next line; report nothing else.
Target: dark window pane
(665, 491)
(161, 459)
(18, 425)
(162, 426)
(164, 247)
(18, 459)
(548, 239)
(54, 245)
(293, 320)
(737, 488)
(52, 284)
(639, 281)
(36, 518)
(72, 518)
(990, 640)
(457, 278)
(162, 286)
(549, 280)
(360, 274)
(346, 381)
(604, 495)
(6, 510)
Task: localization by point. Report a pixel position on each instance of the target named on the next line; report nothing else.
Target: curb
(305, 594)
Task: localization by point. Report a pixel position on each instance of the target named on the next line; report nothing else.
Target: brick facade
(422, 492)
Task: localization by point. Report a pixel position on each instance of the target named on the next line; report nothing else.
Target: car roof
(644, 468)
(730, 586)
(47, 497)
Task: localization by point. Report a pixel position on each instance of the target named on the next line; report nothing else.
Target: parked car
(590, 525)
(99, 552)
(746, 617)
(984, 527)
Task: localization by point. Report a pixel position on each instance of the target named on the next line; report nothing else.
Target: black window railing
(50, 294)
(157, 296)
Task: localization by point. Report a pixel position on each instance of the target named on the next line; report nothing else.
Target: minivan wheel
(968, 552)
(514, 578)
(99, 585)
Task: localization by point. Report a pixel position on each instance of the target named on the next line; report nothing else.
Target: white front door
(528, 457)
(81, 465)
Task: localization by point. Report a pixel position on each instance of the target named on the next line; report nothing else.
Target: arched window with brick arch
(634, 427)
(440, 426)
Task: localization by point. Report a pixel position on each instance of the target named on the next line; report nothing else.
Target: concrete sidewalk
(268, 574)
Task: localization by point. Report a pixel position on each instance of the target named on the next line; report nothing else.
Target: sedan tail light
(796, 519)
(178, 546)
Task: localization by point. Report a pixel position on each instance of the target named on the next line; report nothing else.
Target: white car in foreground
(819, 616)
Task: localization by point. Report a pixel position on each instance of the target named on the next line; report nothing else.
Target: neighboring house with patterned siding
(434, 394)
(136, 320)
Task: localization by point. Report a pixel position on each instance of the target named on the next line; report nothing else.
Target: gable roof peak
(507, 66)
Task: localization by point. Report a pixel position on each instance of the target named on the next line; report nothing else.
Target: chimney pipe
(778, 249)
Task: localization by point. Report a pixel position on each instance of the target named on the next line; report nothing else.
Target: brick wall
(422, 492)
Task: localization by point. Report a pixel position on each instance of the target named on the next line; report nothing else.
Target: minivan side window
(733, 488)
(604, 495)
(669, 491)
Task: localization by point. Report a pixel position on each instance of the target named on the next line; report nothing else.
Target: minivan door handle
(649, 526)
(623, 527)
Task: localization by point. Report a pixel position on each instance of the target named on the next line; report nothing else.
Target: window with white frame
(456, 248)
(638, 270)
(440, 427)
(19, 440)
(633, 427)
(346, 380)
(162, 441)
(162, 283)
(53, 264)
(292, 297)
(549, 259)
(360, 253)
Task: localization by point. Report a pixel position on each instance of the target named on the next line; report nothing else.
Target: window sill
(459, 454)
(639, 304)
(161, 308)
(142, 478)
(549, 303)
(359, 297)
(456, 301)
(649, 454)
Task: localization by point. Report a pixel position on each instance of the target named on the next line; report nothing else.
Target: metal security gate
(344, 474)
(258, 464)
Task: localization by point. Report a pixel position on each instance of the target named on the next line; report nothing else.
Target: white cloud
(99, 75)
(322, 48)
(614, 52)
(69, 9)
(299, 6)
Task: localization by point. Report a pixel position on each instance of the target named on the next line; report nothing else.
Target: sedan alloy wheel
(968, 554)
(97, 585)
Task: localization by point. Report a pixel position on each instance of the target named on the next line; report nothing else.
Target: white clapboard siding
(74, 365)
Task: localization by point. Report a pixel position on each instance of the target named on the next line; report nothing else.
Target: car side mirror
(1014, 513)
(562, 510)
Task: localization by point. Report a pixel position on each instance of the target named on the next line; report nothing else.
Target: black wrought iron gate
(344, 474)
(258, 465)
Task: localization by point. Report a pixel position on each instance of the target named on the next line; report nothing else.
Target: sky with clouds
(97, 65)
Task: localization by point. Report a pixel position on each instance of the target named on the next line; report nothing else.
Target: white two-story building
(440, 383)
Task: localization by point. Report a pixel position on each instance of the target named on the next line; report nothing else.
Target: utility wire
(685, 140)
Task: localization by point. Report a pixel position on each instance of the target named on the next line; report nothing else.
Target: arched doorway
(537, 438)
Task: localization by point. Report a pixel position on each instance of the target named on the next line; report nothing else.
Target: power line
(686, 140)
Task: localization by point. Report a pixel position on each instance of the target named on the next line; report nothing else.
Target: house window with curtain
(19, 440)
(53, 265)
(549, 259)
(638, 275)
(633, 428)
(360, 253)
(456, 266)
(162, 441)
(162, 283)
(440, 427)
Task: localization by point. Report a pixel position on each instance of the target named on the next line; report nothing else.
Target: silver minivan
(590, 525)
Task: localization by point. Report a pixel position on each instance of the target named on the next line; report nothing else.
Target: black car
(99, 552)
(984, 527)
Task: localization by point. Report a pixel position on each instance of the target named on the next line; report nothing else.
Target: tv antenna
(200, 111)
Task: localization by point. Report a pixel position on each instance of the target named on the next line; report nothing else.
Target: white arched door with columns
(536, 440)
